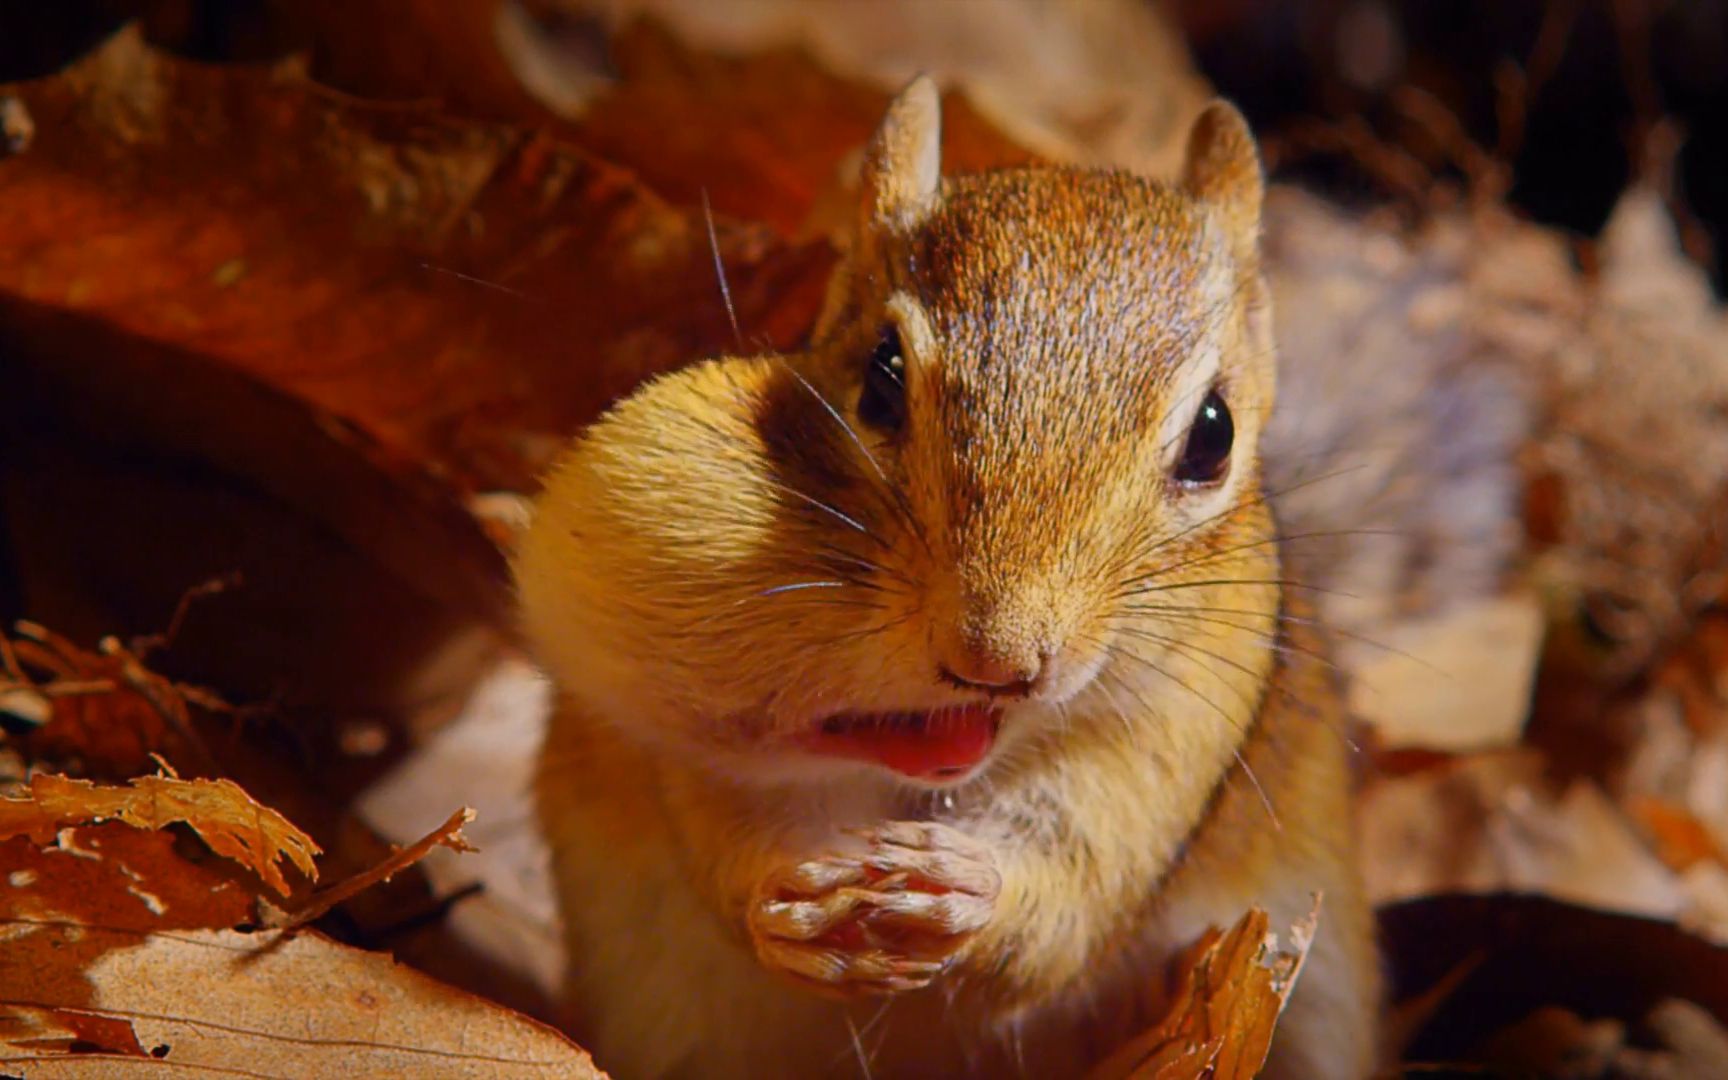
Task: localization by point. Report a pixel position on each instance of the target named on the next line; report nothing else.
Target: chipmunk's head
(1010, 490)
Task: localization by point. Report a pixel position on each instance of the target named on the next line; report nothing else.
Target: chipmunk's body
(923, 693)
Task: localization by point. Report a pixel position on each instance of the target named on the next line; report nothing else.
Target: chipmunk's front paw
(887, 915)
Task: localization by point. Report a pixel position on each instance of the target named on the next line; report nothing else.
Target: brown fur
(731, 555)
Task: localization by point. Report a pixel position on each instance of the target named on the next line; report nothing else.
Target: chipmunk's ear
(1223, 169)
(902, 169)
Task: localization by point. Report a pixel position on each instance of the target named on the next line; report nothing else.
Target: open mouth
(942, 744)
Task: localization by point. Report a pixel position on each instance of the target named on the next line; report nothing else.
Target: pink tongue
(948, 743)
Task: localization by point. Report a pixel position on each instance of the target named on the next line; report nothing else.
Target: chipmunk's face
(1011, 489)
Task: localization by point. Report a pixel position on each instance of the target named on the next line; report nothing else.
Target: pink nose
(992, 671)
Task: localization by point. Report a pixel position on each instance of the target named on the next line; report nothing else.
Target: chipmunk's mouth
(937, 745)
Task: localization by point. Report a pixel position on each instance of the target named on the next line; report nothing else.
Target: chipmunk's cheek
(942, 746)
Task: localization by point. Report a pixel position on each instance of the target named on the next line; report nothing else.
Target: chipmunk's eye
(1206, 457)
(882, 403)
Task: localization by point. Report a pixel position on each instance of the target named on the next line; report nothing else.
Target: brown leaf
(1454, 682)
(459, 293)
(1536, 952)
(1494, 821)
(1679, 838)
(219, 811)
(106, 708)
(278, 1004)
(1231, 988)
(690, 122)
(116, 943)
(418, 50)
(117, 876)
(1095, 82)
(32, 1028)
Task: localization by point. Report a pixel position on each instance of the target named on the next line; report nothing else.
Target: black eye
(882, 403)
(1206, 457)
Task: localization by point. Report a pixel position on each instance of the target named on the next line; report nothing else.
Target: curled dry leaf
(219, 811)
(1231, 987)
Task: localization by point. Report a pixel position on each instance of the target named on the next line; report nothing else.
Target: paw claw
(888, 922)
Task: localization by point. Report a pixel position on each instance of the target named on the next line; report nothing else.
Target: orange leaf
(117, 947)
(1230, 989)
(1678, 837)
(230, 821)
(763, 135)
(461, 294)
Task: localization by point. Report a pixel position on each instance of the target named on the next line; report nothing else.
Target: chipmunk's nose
(992, 669)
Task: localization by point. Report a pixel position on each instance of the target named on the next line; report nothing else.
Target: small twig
(1486, 179)
(1516, 87)
(146, 644)
(1632, 26)
(1394, 168)
(447, 835)
(9, 662)
(54, 652)
(66, 688)
(1656, 167)
(162, 696)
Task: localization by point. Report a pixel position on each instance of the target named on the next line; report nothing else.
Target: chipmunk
(923, 692)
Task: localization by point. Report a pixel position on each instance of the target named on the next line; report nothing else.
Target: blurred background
(1571, 94)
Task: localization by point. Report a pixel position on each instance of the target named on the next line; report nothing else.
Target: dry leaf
(1538, 953)
(115, 938)
(1494, 822)
(1555, 1042)
(1099, 82)
(460, 294)
(1679, 838)
(34, 1029)
(268, 1003)
(693, 123)
(1231, 988)
(227, 819)
(106, 708)
(418, 51)
(117, 876)
(1453, 682)
(1634, 522)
